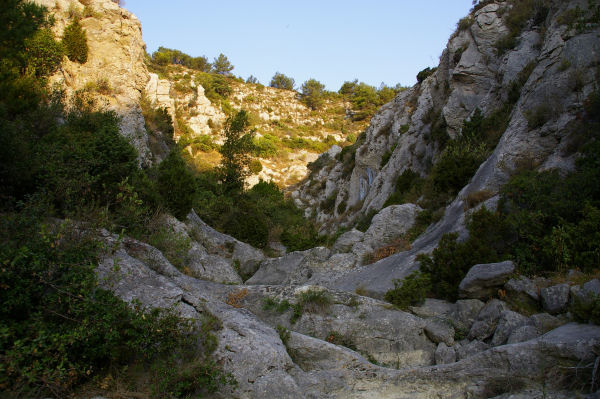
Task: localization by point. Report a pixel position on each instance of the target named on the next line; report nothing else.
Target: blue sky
(330, 40)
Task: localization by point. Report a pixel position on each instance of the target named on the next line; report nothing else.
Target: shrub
(385, 158)
(176, 184)
(425, 73)
(271, 304)
(255, 167)
(538, 117)
(464, 23)
(342, 207)
(44, 54)
(173, 245)
(328, 203)
(364, 221)
(314, 301)
(75, 43)
(409, 292)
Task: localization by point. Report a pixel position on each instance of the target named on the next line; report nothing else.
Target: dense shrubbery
(366, 99)
(545, 223)
(409, 292)
(519, 14)
(165, 56)
(216, 87)
(57, 327)
(425, 73)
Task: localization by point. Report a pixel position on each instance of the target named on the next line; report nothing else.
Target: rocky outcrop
(471, 75)
(115, 62)
(314, 359)
(482, 280)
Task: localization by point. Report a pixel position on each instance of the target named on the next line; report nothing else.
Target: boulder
(483, 280)
(435, 308)
(439, 331)
(508, 322)
(487, 320)
(522, 287)
(210, 267)
(545, 322)
(465, 314)
(345, 242)
(391, 223)
(217, 243)
(471, 348)
(444, 354)
(522, 334)
(556, 298)
(295, 265)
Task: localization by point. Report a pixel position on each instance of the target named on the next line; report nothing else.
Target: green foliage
(518, 16)
(425, 73)
(312, 94)
(586, 310)
(328, 203)
(176, 184)
(385, 158)
(44, 53)
(165, 56)
(173, 245)
(364, 221)
(342, 207)
(58, 327)
(311, 301)
(75, 43)
(410, 291)
(267, 146)
(271, 304)
(236, 151)
(366, 99)
(222, 66)
(538, 116)
(216, 87)
(451, 260)
(336, 338)
(280, 81)
(405, 182)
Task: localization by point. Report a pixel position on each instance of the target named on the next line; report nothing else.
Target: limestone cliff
(559, 64)
(115, 73)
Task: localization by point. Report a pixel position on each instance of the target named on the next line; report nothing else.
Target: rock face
(116, 57)
(471, 75)
(482, 281)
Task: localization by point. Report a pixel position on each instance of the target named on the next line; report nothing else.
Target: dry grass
(477, 197)
(235, 298)
(400, 245)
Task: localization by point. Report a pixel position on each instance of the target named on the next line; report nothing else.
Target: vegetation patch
(410, 291)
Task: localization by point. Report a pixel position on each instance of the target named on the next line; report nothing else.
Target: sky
(331, 41)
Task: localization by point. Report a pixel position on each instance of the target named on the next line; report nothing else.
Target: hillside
(288, 133)
(447, 247)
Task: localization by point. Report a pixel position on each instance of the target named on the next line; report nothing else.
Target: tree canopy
(312, 93)
(280, 81)
(236, 152)
(221, 65)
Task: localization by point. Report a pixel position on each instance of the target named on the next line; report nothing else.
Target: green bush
(425, 73)
(44, 53)
(363, 223)
(328, 203)
(176, 184)
(518, 15)
(409, 292)
(75, 43)
(58, 327)
(311, 301)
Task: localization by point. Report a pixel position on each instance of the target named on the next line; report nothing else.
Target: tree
(75, 42)
(176, 184)
(252, 79)
(280, 81)
(222, 66)
(236, 152)
(312, 93)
